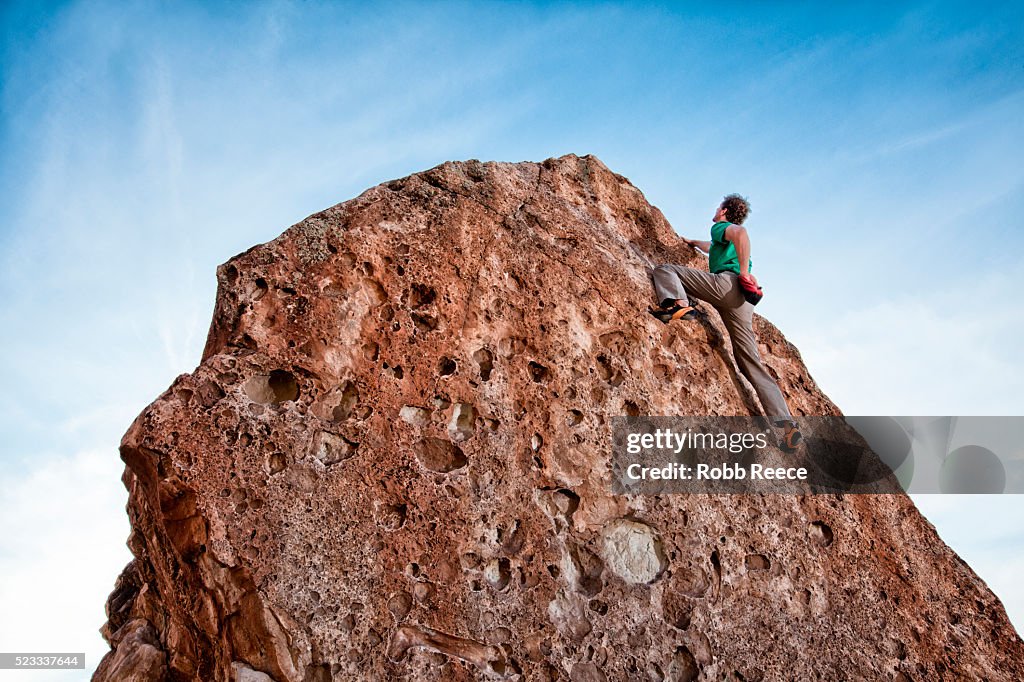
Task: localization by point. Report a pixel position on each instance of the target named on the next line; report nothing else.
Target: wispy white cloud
(62, 544)
(950, 353)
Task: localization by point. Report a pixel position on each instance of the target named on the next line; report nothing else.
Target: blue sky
(145, 143)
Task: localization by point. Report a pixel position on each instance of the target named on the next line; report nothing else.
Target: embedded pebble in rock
(462, 423)
(243, 673)
(417, 416)
(633, 551)
(330, 448)
(392, 464)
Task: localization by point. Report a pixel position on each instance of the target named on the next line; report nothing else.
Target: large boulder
(393, 463)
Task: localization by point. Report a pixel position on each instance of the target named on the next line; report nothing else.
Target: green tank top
(722, 256)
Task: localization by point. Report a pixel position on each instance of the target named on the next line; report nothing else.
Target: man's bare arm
(704, 247)
(737, 234)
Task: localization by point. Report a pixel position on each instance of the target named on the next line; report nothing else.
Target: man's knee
(744, 346)
(666, 274)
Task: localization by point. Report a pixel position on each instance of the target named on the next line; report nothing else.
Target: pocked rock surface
(392, 463)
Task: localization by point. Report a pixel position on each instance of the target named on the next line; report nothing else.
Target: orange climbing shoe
(675, 312)
(790, 438)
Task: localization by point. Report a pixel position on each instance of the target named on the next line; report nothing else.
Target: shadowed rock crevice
(392, 463)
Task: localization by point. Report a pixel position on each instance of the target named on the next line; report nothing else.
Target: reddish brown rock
(392, 464)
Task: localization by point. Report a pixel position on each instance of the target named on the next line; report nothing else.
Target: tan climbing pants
(724, 293)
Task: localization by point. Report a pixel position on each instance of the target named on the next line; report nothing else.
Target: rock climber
(733, 291)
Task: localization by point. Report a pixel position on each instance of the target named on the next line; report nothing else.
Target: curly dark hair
(737, 208)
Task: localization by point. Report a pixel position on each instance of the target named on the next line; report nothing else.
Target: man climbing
(733, 291)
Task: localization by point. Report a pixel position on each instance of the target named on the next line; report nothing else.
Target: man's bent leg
(740, 324)
(678, 283)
